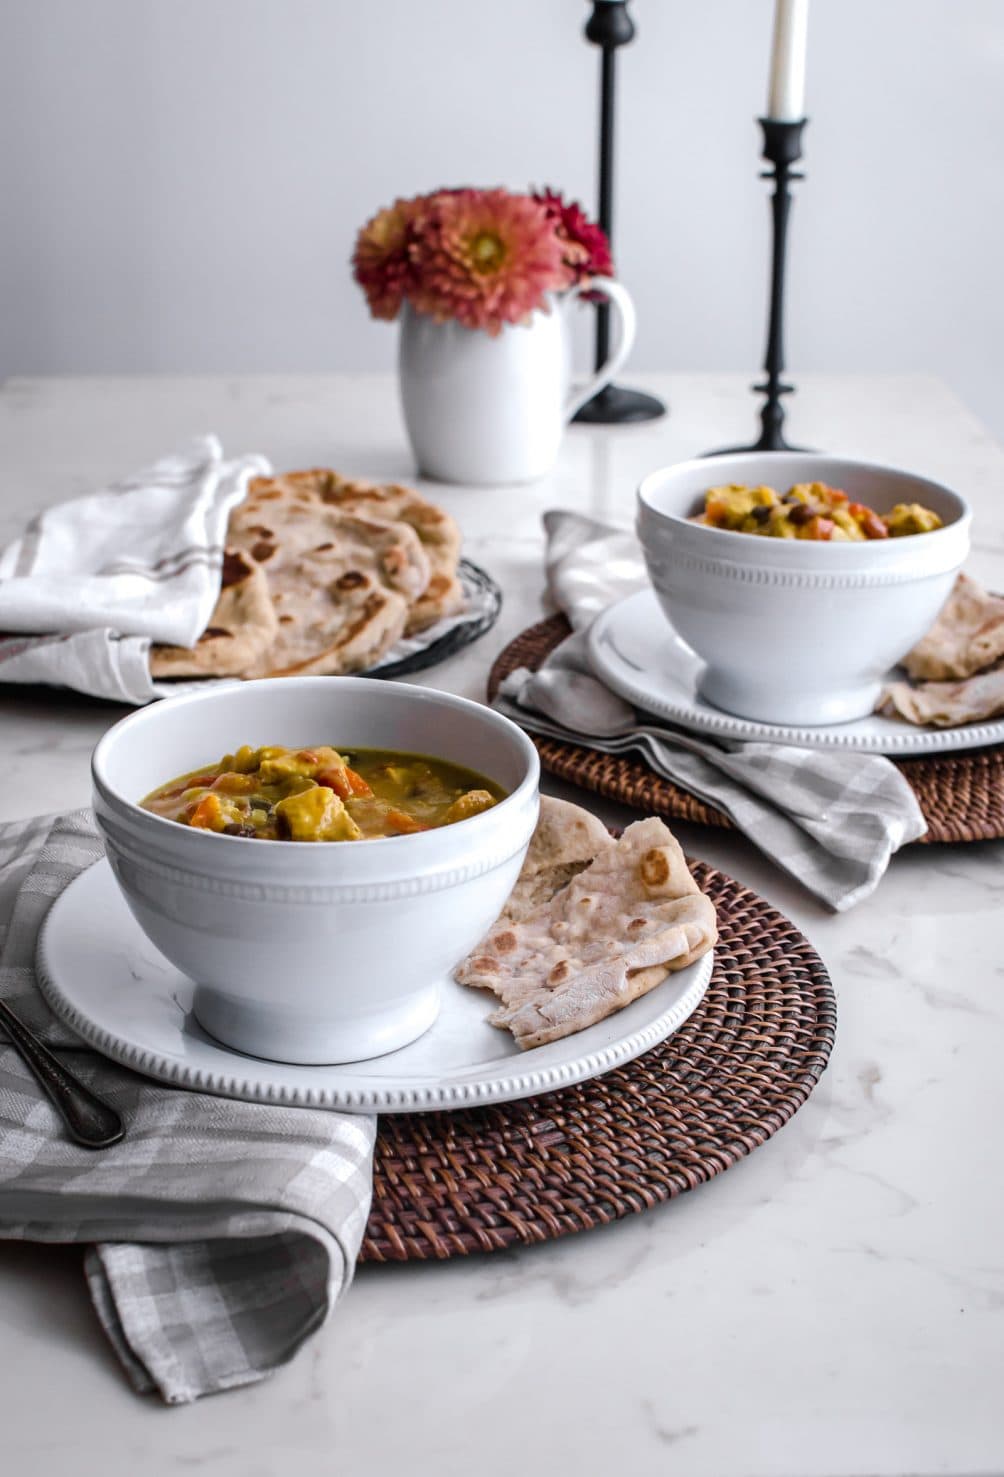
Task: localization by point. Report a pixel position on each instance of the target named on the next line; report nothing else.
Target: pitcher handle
(620, 299)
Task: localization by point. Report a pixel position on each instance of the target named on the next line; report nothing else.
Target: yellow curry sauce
(810, 510)
(323, 794)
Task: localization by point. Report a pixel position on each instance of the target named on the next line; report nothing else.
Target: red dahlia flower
(381, 262)
(586, 248)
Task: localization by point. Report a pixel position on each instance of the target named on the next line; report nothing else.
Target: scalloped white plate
(100, 974)
(635, 649)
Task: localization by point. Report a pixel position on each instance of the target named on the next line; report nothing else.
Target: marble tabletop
(831, 1307)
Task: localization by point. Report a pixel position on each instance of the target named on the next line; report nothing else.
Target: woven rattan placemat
(961, 795)
(446, 1184)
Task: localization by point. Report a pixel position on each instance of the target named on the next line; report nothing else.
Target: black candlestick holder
(610, 27)
(782, 148)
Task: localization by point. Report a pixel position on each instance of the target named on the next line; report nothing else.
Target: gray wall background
(182, 179)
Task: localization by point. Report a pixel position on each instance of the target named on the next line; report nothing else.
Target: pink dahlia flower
(485, 258)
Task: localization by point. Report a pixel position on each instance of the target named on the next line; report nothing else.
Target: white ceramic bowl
(795, 631)
(314, 951)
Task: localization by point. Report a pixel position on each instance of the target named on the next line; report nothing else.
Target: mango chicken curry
(810, 510)
(323, 794)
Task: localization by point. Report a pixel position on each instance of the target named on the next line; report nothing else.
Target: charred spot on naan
(352, 579)
(483, 965)
(654, 868)
(235, 568)
(241, 627)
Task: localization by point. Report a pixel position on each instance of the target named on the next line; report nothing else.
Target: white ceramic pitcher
(486, 410)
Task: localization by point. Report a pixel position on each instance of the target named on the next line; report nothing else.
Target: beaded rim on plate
(673, 695)
(486, 1179)
(961, 794)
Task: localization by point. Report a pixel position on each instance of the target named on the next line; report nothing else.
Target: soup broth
(324, 794)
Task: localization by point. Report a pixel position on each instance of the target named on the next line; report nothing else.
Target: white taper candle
(786, 97)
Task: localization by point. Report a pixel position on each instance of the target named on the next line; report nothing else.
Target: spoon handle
(91, 1121)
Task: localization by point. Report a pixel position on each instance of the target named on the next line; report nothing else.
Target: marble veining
(830, 1307)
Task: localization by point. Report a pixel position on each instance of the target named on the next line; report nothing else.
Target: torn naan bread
(436, 529)
(279, 524)
(336, 572)
(241, 629)
(444, 596)
(329, 627)
(946, 704)
(566, 840)
(967, 637)
(611, 934)
(342, 585)
(437, 533)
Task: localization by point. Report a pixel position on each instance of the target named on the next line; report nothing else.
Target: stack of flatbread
(958, 668)
(591, 925)
(323, 575)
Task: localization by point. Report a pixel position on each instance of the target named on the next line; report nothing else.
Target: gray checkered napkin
(219, 1233)
(831, 819)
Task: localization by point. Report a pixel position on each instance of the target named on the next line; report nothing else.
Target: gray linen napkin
(220, 1233)
(830, 818)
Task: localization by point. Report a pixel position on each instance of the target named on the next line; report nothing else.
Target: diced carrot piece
(868, 521)
(207, 814)
(344, 782)
(337, 780)
(821, 528)
(405, 824)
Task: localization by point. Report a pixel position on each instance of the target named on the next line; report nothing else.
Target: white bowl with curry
(317, 854)
(798, 578)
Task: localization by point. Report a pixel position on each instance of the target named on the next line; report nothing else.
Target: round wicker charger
(446, 1184)
(961, 795)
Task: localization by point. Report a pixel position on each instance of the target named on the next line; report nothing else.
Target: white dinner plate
(100, 973)
(636, 651)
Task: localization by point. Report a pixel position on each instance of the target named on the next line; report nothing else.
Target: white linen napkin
(831, 819)
(93, 581)
(219, 1233)
(142, 557)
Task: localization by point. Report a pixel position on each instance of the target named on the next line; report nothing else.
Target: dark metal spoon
(90, 1120)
